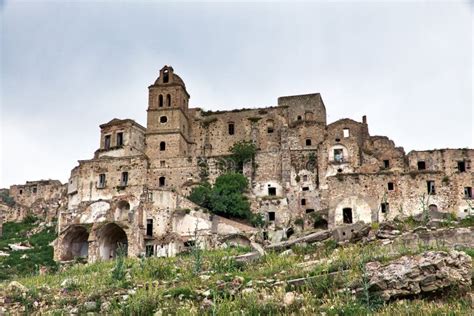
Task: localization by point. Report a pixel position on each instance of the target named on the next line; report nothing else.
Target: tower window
(390, 186)
(384, 207)
(308, 142)
(386, 164)
(149, 227)
(231, 129)
(461, 166)
(468, 192)
(431, 187)
(299, 118)
(101, 183)
(162, 164)
(149, 250)
(347, 215)
(107, 142)
(303, 201)
(168, 100)
(166, 76)
(160, 101)
(305, 188)
(163, 119)
(421, 165)
(120, 139)
(124, 179)
(272, 191)
(271, 216)
(162, 181)
(162, 146)
(21, 191)
(346, 132)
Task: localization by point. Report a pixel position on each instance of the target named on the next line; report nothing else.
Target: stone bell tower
(167, 133)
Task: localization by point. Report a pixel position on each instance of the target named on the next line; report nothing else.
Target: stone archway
(75, 243)
(111, 239)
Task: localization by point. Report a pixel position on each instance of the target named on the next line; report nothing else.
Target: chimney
(364, 119)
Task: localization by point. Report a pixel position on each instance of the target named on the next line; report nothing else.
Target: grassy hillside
(212, 282)
(26, 262)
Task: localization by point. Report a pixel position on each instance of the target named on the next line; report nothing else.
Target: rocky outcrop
(413, 275)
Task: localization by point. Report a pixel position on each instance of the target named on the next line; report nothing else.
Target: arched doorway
(112, 239)
(433, 208)
(75, 243)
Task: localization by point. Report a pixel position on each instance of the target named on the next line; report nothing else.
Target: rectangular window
(305, 177)
(430, 185)
(345, 132)
(468, 192)
(384, 207)
(390, 186)
(149, 227)
(265, 235)
(101, 183)
(231, 129)
(124, 179)
(338, 155)
(162, 164)
(149, 250)
(347, 215)
(305, 189)
(309, 210)
(461, 166)
(386, 164)
(421, 165)
(303, 201)
(120, 139)
(272, 191)
(271, 216)
(35, 189)
(107, 142)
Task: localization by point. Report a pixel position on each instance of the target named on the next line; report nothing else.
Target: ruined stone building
(307, 174)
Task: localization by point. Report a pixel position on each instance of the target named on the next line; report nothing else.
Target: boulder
(351, 232)
(16, 286)
(420, 274)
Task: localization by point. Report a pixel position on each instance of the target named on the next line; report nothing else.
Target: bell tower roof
(167, 77)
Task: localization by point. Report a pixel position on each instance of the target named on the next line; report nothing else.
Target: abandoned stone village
(307, 175)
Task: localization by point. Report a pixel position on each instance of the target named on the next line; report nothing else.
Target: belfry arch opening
(75, 243)
(112, 239)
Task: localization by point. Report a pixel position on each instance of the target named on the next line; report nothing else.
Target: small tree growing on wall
(242, 152)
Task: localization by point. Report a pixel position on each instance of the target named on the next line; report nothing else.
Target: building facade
(306, 174)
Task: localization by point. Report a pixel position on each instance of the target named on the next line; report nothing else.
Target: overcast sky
(67, 67)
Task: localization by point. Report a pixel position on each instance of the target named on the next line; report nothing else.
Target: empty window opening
(149, 250)
(101, 180)
(309, 210)
(347, 215)
(345, 132)
(290, 231)
(168, 100)
(190, 243)
(166, 76)
(390, 186)
(386, 164)
(384, 207)
(305, 177)
(433, 208)
(162, 164)
(338, 140)
(338, 155)
(461, 166)
(339, 170)
(468, 192)
(124, 179)
(270, 126)
(119, 139)
(160, 101)
(299, 118)
(272, 191)
(305, 188)
(430, 185)
(162, 146)
(107, 142)
(21, 191)
(149, 227)
(162, 181)
(35, 189)
(231, 129)
(163, 119)
(265, 235)
(320, 223)
(271, 216)
(308, 142)
(421, 165)
(303, 201)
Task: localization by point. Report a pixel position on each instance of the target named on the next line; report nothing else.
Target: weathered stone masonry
(306, 174)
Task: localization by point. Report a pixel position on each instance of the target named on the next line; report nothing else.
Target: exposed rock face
(424, 273)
